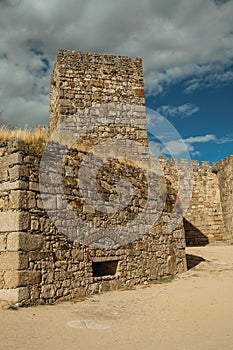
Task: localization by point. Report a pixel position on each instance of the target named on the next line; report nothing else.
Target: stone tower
(82, 79)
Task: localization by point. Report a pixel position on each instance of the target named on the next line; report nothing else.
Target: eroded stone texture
(203, 219)
(82, 79)
(50, 266)
(224, 170)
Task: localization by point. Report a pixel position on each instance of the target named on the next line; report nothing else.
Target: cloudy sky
(186, 46)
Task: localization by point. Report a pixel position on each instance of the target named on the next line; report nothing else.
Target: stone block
(34, 186)
(3, 174)
(16, 185)
(48, 291)
(9, 295)
(16, 295)
(15, 145)
(15, 279)
(13, 261)
(18, 199)
(18, 172)
(172, 265)
(77, 255)
(104, 286)
(14, 221)
(23, 241)
(35, 225)
(31, 200)
(139, 92)
(11, 159)
(2, 242)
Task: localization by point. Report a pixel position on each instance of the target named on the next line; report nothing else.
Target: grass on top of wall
(36, 137)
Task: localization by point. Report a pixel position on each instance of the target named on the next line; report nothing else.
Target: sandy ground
(194, 311)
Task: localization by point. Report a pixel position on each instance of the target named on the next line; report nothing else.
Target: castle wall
(38, 261)
(203, 221)
(64, 267)
(16, 197)
(39, 264)
(224, 171)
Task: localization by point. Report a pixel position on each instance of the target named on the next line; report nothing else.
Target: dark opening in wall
(104, 268)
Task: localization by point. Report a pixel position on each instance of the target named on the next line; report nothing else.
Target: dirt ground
(194, 311)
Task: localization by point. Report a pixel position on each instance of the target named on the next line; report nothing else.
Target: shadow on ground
(193, 260)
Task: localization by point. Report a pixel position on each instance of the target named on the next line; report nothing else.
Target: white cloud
(155, 148)
(223, 140)
(179, 148)
(198, 139)
(185, 110)
(177, 39)
(218, 78)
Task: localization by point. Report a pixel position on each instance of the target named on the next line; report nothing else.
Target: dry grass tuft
(36, 137)
(30, 136)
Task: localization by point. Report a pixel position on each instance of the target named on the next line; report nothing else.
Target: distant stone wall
(39, 264)
(224, 170)
(203, 221)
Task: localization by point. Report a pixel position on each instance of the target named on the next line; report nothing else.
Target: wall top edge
(15, 145)
(68, 56)
(195, 163)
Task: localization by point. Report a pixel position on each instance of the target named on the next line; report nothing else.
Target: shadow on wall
(193, 260)
(194, 237)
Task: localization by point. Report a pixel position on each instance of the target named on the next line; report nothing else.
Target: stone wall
(39, 264)
(83, 79)
(16, 197)
(224, 171)
(203, 221)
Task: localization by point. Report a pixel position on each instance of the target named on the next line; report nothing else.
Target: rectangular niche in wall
(104, 268)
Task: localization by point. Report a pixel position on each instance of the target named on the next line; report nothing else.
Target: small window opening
(104, 268)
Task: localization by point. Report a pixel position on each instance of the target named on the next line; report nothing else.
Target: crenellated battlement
(71, 58)
(195, 164)
(222, 163)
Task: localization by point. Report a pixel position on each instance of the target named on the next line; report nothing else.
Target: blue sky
(205, 112)
(187, 51)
